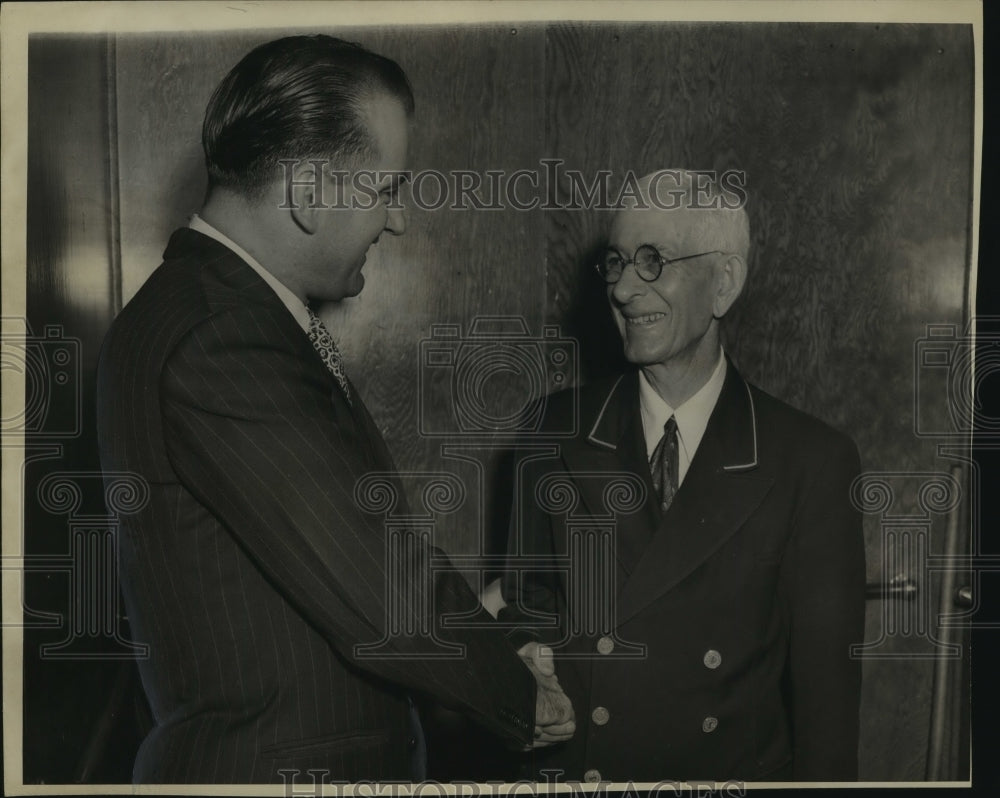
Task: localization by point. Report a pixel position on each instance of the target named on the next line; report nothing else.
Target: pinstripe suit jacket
(746, 595)
(251, 572)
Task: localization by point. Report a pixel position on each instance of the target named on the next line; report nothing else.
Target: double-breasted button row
(712, 660)
(600, 715)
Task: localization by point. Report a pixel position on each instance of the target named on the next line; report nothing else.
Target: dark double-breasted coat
(724, 653)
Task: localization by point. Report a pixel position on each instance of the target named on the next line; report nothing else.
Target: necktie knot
(664, 465)
(324, 344)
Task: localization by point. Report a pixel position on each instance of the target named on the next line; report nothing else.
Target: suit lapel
(719, 493)
(231, 280)
(615, 444)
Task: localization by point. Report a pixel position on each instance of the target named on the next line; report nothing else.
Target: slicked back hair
(300, 97)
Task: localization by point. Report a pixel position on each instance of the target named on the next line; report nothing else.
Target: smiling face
(338, 247)
(671, 321)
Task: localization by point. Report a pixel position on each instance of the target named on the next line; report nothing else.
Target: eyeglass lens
(647, 264)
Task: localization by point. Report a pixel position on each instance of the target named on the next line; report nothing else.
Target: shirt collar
(692, 416)
(288, 299)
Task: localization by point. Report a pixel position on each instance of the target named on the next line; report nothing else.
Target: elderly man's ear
(731, 276)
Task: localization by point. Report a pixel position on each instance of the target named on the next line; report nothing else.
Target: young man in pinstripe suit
(253, 573)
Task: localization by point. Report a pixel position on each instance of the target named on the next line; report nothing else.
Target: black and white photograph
(495, 398)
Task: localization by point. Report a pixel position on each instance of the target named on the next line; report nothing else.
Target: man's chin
(640, 355)
(355, 285)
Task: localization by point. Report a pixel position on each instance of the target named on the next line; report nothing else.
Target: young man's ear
(732, 276)
(304, 193)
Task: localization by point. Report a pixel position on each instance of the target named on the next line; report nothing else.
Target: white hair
(700, 203)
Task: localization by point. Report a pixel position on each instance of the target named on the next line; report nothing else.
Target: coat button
(712, 659)
(600, 716)
(592, 776)
(605, 645)
(709, 725)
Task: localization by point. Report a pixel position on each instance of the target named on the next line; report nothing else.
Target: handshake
(554, 718)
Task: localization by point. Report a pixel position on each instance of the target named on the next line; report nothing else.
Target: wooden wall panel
(163, 86)
(479, 108)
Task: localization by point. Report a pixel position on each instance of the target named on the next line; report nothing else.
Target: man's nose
(629, 285)
(395, 221)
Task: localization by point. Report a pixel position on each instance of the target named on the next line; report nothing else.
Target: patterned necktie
(323, 343)
(664, 466)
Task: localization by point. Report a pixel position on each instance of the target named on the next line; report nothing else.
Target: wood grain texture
(479, 107)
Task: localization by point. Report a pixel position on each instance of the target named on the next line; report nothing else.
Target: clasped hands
(554, 717)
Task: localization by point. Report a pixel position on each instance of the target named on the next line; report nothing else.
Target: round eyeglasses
(648, 262)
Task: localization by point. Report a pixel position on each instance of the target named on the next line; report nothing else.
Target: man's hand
(554, 717)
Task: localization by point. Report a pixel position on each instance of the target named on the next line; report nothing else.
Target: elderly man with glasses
(709, 636)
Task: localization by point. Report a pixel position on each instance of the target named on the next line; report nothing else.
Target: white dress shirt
(288, 299)
(692, 416)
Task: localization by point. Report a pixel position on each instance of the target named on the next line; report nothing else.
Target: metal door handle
(899, 587)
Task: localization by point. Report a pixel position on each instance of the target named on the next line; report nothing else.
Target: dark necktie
(323, 343)
(664, 465)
